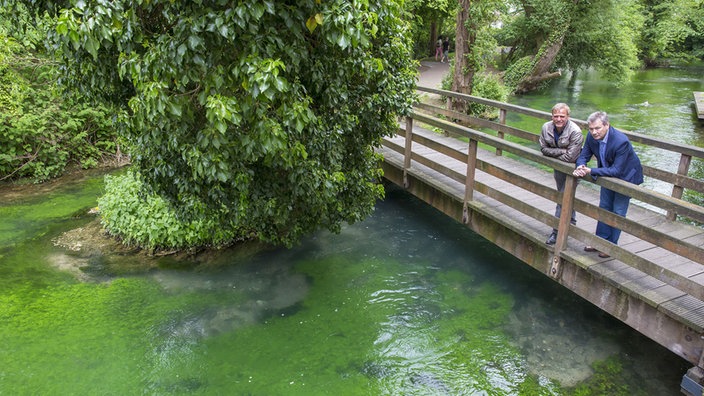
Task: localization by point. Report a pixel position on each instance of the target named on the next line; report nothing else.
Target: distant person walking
(445, 50)
(438, 49)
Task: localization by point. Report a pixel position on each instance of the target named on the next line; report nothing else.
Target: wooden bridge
(497, 182)
(699, 104)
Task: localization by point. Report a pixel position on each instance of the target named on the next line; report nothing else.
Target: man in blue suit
(615, 158)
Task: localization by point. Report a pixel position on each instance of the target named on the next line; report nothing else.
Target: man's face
(598, 130)
(560, 118)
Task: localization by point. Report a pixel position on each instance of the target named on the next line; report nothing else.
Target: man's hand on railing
(582, 171)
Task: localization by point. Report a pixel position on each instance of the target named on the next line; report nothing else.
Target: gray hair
(598, 116)
(559, 106)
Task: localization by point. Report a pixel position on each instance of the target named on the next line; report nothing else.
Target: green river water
(407, 302)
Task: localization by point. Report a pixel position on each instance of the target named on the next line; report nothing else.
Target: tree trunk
(548, 52)
(541, 67)
(433, 37)
(464, 40)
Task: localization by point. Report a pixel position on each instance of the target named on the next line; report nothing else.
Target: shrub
(485, 85)
(147, 221)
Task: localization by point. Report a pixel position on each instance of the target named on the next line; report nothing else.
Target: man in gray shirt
(561, 138)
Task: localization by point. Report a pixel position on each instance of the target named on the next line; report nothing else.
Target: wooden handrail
(692, 151)
(640, 193)
(679, 180)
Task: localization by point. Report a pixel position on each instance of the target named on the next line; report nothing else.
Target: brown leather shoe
(589, 249)
(603, 255)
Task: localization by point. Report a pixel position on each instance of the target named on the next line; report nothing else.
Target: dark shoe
(603, 255)
(589, 249)
(552, 238)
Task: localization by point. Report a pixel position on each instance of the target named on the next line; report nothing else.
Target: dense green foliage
(486, 85)
(597, 34)
(481, 36)
(429, 20)
(146, 220)
(613, 37)
(42, 131)
(673, 30)
(229, 115)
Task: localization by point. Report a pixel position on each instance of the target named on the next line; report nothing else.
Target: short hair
(600, 116)
(560, 106)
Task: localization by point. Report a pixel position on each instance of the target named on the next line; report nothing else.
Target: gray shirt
(568, 145)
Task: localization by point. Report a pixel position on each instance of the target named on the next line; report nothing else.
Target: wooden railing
(679, 180)
(672, 204)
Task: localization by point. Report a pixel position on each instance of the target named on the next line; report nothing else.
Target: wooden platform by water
(699, 104)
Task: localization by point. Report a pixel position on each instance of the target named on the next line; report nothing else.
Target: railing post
(407, 151)
(502, 121)
(469, 181)
(448, 107)
(563, 225)
(683, 169)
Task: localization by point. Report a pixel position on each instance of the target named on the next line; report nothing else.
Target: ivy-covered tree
(553, 35)
(263, 114)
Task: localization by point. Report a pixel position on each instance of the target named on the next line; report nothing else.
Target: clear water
(407, 302)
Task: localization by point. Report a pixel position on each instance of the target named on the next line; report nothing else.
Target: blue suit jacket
(621, 160)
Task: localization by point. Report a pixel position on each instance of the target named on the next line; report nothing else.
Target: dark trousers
(616, 203)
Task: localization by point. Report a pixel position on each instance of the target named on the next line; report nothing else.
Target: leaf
(343, 41)
(311, 24)
(223, 29)
(92, 46)
(181, 49)
(175, 109)
(61, 27)
(194, 41)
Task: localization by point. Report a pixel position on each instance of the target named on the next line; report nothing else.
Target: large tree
(264, 113)
(550, 36)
